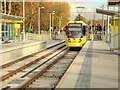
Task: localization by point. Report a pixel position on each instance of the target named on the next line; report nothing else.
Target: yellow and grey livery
(78, 40)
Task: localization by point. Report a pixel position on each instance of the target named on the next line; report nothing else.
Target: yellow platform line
(68, 71)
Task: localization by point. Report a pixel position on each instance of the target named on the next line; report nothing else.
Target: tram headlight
(80, 40)
(69, 40)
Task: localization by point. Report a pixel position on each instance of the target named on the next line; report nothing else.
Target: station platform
(27, 42)
(94, 67)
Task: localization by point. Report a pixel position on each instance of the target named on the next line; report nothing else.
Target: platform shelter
(10, 27)
(113, 28)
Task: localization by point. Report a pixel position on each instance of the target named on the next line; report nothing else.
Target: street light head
(53, 11)
(43, 7)
(32, 12)
(80, 7)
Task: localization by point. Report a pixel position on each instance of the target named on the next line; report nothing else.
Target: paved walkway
(104, 70)
(100, 67)
(95, 67)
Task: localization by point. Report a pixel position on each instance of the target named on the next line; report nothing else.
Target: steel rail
(4, 77)
(25, 57)
(25, 85)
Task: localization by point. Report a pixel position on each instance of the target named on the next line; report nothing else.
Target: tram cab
(75, 34)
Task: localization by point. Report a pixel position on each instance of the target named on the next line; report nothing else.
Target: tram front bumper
(74, 44)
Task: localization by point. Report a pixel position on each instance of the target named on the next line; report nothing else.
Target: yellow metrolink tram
(75, 34)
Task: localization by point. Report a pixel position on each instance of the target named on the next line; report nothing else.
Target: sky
(90, 8)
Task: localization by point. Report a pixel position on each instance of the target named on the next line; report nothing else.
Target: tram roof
(77, 22)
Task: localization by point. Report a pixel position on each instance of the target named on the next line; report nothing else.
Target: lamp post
(23, 20)
(4, 6)
(108, 29)
(31, 27)
(53, 12)
(60, 19)
(39, 19)
(5, 22)
(119, 28)
(79, 11)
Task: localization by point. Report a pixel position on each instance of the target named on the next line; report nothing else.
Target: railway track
(25, 57)
(36, 59)
(49, 74)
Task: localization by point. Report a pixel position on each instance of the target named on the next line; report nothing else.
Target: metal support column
(0, 32)
(5, 30)
(108, 29)
(50, 26)
(94, 21)
(53, 24)
(102, 23)
(38, 20)
(119, 29)
(23, 20)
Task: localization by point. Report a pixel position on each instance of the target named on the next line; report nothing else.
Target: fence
(43, 36)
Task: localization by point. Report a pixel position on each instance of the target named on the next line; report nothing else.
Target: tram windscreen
(74, 31)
